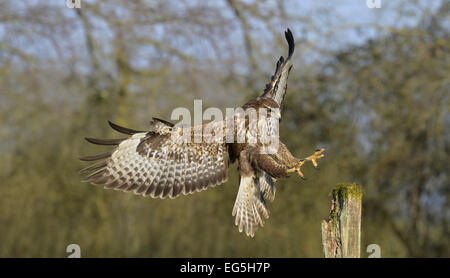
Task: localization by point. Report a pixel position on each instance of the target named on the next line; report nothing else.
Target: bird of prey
(157, 164)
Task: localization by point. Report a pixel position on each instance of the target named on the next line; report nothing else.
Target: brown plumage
(159, 164)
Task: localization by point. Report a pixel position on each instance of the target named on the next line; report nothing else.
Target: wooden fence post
(341, 233)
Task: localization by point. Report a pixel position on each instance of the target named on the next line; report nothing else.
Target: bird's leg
(313, 158)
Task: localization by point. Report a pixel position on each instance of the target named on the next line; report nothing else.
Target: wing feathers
(267, 186)
(150, 164)
(97, 174)
(163, 121)
(290, 39)
(122, 129)
(276, 89)
(249, 208)
(105, 142)
(96, 157)
(95, 166)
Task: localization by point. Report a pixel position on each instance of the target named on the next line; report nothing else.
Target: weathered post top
(341, 233)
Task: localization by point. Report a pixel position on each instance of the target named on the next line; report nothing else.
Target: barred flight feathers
(267, 186)
(249, 209)
(277, 87)
(150, 164)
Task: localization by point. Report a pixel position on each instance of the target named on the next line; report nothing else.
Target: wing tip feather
(290, 40)
(106, 142)
(122, 129)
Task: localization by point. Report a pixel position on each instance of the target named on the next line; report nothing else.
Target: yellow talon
(299, 170)
(313, 158)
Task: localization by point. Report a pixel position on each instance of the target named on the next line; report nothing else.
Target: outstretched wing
(250, 207)
(276, 89)
(151, 164)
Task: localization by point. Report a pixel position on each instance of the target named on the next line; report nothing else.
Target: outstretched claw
(313, 158)
(298, 169)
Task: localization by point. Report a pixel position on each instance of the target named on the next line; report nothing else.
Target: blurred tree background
(371, 85)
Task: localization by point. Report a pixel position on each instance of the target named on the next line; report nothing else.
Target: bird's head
(273, 109)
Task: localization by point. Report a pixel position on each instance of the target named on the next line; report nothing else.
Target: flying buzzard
(158, 164)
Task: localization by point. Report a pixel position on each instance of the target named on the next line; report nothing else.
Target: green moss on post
(348, 189)
(341, 233)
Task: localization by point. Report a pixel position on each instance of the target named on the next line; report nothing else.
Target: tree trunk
(341, 233)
